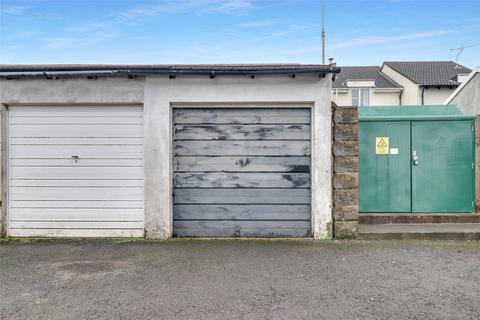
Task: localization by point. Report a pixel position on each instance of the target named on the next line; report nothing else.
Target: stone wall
(345, 171)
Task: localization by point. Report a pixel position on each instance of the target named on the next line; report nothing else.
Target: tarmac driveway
(193, 279)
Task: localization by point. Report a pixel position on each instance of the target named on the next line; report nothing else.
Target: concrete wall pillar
(321, 170)
(157, 163)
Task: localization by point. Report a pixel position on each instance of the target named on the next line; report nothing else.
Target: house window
(360, 96)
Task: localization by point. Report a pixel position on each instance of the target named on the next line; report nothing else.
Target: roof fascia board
(388, 89)
(374, 89)
(211, 71)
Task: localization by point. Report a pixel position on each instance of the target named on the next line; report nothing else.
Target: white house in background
(467, 95)
(425, 82)
(365, 86)
(398, 83)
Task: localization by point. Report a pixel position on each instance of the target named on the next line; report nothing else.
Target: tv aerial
(459, 51)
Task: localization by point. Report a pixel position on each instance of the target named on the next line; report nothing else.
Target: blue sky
(236, 31)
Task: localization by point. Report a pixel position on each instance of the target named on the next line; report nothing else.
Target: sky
(237, 31)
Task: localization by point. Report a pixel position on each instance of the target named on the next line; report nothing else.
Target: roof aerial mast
(459, 51)
(323, 32)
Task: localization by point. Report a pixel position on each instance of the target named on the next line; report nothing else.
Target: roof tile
(430, 73)
(364, 73)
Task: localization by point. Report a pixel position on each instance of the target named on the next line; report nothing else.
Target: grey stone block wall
(345, 172)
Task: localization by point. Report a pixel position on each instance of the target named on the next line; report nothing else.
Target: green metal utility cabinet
(416, 159)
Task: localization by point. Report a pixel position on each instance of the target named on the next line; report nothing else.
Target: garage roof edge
(77, 70)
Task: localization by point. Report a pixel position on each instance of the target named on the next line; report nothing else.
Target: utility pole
(459, 51)
(323, 32)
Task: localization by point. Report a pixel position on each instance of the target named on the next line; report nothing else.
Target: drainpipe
(423, 96)
(400, 98)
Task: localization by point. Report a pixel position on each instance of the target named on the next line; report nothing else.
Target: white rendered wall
(159, 95)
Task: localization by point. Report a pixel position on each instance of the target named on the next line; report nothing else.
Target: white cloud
(258, 24)
(169, 7)
(89, 26)
(372, 40)
(110, 26)
(13, 10)
(26, 34)
(287, 30)
(8, 53)
(65, 42)
(361, 41)
(60, 42)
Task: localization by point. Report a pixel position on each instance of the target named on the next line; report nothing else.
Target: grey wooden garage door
(242, 172)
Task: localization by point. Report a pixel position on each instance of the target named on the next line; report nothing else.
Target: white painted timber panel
(76, 193)
(75, 130)
(63, 120)
(76, 171)
(95, 204)
(67, 162)
(76, 141)
(76, 183)
(76, 233)
(82, 151)
(95, 173)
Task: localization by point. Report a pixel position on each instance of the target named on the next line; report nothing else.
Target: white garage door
(75, 171)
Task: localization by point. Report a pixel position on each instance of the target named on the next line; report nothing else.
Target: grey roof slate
(430, 73)
(364, 73)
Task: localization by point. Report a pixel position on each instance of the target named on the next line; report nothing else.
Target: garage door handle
(415, 158)
(75, 158)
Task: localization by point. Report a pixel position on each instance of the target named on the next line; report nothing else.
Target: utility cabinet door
(442, 180)
(384, 179)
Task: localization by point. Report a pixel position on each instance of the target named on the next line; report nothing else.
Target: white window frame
(361, 94)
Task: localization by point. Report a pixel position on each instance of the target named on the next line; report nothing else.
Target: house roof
(474, 73)
(72, 70)
(430, 73)
(364, 73)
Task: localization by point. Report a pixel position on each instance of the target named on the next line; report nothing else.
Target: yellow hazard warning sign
(381, 145)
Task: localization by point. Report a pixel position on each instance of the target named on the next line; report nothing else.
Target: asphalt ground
(238, 279)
